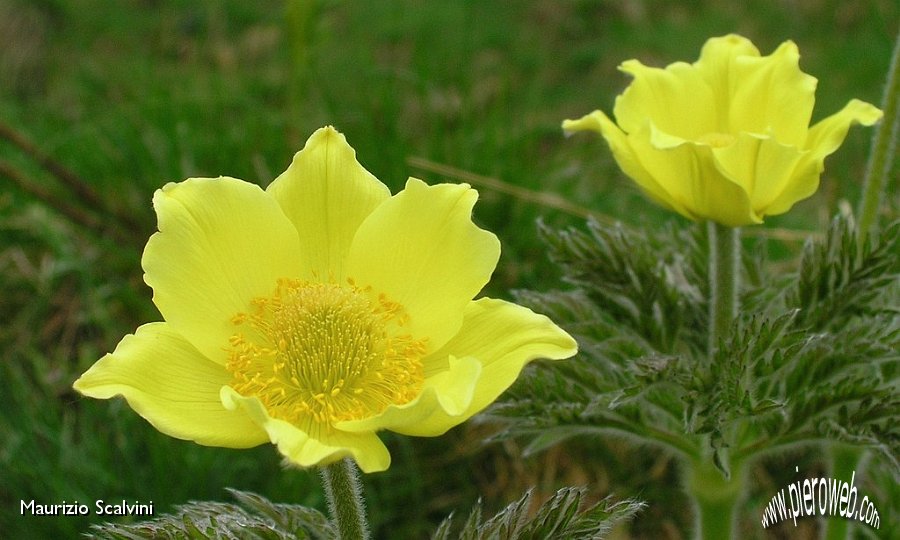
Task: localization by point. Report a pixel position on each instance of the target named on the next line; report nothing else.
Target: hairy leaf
(563, 516)
(255, 518)
(839, 278)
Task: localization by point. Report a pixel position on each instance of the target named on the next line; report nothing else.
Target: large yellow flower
(319, 311)
(726, 138)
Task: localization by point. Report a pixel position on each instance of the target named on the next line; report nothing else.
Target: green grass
(130, 95)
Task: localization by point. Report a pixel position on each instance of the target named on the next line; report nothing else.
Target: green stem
(714, 495)
(345, 501)
(724, 255)
(716, 499)
(844, 462)
(884, 144)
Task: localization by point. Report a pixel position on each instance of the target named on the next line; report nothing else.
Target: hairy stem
(878, 172)
(345, 501)
(884, 144)
(724, 275)
(715, 497)
(844, 462)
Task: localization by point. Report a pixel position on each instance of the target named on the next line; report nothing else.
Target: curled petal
(625, 156)
(828, 134)
(445, 398)
(495, 342)
(823, 139)
(504, 337)
(319, 446)
(166, 380)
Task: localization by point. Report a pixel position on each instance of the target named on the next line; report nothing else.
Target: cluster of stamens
(325, 353)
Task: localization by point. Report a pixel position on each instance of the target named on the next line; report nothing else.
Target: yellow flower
(726, 138)
(319, 311)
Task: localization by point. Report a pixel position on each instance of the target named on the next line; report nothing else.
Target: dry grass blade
(557, 202)
(82, 190)
(548, 200)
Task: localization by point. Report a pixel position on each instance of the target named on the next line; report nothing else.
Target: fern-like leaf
(561, 517)
(839, 278)
(255, 518)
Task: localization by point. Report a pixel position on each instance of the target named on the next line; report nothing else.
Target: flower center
(324, 353)
(717, 140)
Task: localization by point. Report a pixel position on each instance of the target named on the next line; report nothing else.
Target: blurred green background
(129, 95)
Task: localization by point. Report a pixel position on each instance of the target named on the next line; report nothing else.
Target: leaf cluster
(566, 515)
(562, 516)
(254, 517)
(811, 357)
(655, 294)
(843, 277)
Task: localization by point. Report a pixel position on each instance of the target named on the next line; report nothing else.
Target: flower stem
(884, 144)
(345, 502)
(715, 497)
(724, 255)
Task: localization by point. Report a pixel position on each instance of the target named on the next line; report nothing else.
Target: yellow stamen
(324, 353)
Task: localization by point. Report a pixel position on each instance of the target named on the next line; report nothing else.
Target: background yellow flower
(726, 138)
(319, 311)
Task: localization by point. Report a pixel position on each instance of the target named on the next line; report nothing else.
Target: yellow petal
(718, 55)
(174, 387)
(771, 95)
(716, 67)
(624, 155)
(221, 243)
(725, 138)
(326, 193)
(495, 342)
(827, 135)
(504, 337)
(421, 249)
(314, 448)
(823, 139)
(762, 166)
(688, 172)
(677, 98)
